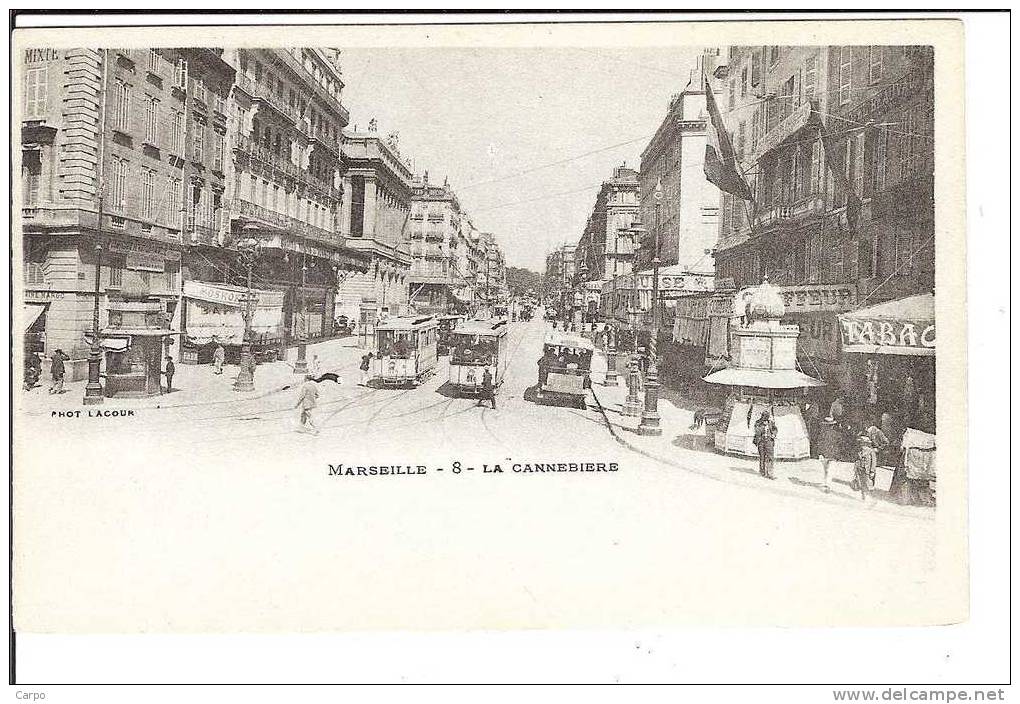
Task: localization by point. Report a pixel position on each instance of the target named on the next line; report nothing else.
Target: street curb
(775, 489)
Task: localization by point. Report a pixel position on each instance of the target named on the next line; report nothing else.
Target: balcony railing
(259, 91)
(283, 222)
(251, 147)
(812, 204)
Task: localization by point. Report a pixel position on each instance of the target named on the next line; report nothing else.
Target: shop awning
(763, 378)
(32, 313)
(905, 326)
(115, 344)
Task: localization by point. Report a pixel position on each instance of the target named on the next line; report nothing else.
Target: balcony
(248, 146)
(263, 93)
(435, 236)
(295, 65)
(199, 232)
(810, 205)
(784, 129)
(282, 222)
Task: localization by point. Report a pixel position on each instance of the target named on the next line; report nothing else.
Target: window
(200, 91)
(276, 198)
(220, 150)
(152, 121)
(845, 74)
(816, 166)
(732, 94)
(741, 129)
(121, 106)
(253, 189)
(810, 77)
(116, 269)
(31, 174)
(177, 133)
(258, 71)
(181, 73)
(198, 144)
(788, 96)
(154, 61)
(118, 183)
(357, 206)
(756, 68)
(879, 159)
(773, 55)
(874, 64)
(173, 199)
(743, 83)
(902, 250)
(866, 257)
(148, 194)
(171, 269)
(35, 92)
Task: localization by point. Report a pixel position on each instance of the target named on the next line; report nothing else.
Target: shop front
(214, 314)
(889, 351)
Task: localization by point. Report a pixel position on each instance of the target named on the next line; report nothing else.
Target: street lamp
(94, 388)
(650, 418)
(301, 365)
(247, 253)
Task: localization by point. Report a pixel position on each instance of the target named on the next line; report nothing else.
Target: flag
(837, 165)
(720, 160)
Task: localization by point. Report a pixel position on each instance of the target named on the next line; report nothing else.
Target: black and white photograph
(369, 328)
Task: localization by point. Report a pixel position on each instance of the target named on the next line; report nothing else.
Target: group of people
(34, 371)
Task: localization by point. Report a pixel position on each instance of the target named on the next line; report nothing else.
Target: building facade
(606, 248)
(685, 217)
(123, 166)
(444, 268)
(376, 222)
(877, 105)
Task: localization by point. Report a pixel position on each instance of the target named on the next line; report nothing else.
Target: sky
(480, 117)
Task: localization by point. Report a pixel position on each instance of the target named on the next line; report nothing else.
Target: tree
(520, 281)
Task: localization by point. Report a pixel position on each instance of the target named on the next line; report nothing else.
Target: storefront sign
(45, 296)
(144, 261)
(676, 285)
(802, 299)
(145, 249)
(41, 56)
(819, 340)
(888, 336)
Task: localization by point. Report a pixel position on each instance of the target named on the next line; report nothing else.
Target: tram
(564, 371)
(477, 345)
(406, 350)
(446, 325)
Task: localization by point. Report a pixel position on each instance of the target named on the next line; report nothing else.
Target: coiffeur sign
(906, 326)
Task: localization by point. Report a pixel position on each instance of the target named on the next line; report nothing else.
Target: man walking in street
(488, 389)
(366, 361)
(830, 447)
(308, 399)
(765, 440)
(864, 467)
(170, 369)
(219, 356)
(57, 371)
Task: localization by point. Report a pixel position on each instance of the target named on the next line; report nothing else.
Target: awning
(763, 378)
(115, 344)
(905, 326)
(32, 313)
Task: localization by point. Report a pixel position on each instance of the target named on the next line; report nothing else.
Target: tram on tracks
(477, 345)
(564, 371)
(447, 323)
(406, 350)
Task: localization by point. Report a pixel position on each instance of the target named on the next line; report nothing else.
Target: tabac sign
(905, 326)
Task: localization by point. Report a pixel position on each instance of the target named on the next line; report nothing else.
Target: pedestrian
(812, 419)
(765, 440)
(219, 357)
(488, 389)
(879, 440)
(57, 371)
(864, 467)
(908, 402)
(170, 370)
(33, 370)
(308, 399)
(313, 366)
(366, 361)
(830, 448)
